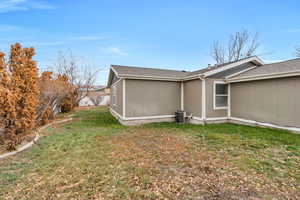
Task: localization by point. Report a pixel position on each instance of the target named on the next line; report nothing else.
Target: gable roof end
(112, 73)
(254, 59)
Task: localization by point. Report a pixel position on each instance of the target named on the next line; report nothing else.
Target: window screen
(114, 95)
(221, 95)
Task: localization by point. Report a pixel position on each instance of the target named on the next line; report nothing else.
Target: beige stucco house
(246, 91)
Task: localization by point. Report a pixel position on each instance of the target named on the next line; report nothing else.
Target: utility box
(180, 116)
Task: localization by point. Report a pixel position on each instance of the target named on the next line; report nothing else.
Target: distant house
(246, 91)
(97, 96)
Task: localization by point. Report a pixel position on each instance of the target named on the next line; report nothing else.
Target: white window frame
(226, 95)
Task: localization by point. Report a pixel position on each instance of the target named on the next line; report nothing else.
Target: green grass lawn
(94, 157)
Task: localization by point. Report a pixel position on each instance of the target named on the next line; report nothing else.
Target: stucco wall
(274, 101)
(193, 97)
(210, 112)
(119, 102)
(151, 98)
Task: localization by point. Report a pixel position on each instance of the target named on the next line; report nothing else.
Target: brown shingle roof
(142, 71)
(272, 68)
(164, 73)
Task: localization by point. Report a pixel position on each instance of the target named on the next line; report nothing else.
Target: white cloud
(40, 5)
(115, 51)
(88, 38)
(6, 28)
(23, 5)
(43, 43)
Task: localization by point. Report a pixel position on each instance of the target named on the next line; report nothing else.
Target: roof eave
(264, 76)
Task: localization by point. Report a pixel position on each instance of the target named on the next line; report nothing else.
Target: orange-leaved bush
(18, 94)
(8, 106)
(24, 84)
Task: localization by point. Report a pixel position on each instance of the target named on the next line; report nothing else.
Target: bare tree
(81, 75)
(240, 45)
(53, 89)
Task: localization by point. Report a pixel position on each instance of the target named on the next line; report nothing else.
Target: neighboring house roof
(100, 88)
(220, 71)
(279, 69)
(93, 88)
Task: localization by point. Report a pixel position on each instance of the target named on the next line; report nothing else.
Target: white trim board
(137, 118)
(266, 124)
(198, 118)
(148, 117)
(116, 113)
(231, 120)
(110, 75)
(114, 71)
(191, 77)
(216, 118)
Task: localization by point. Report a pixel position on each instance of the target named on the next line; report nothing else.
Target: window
(220, 95)
(114, 95)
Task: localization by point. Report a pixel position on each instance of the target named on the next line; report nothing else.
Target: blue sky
(167, 34)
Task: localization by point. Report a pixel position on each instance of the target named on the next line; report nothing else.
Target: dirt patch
(164, 165)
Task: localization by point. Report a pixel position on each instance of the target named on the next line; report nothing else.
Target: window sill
(220, 108)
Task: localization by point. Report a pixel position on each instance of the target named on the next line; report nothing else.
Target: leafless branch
(218, 52)
(80, 74)
(240, 45)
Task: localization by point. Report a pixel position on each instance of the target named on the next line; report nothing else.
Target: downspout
(229, 100)
(202, 78)
(124, 99)
(182, 95)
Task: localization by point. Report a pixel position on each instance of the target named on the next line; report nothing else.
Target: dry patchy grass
(160, 164)
(94, 157)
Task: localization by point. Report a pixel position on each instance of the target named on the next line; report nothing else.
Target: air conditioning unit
(180, 116)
